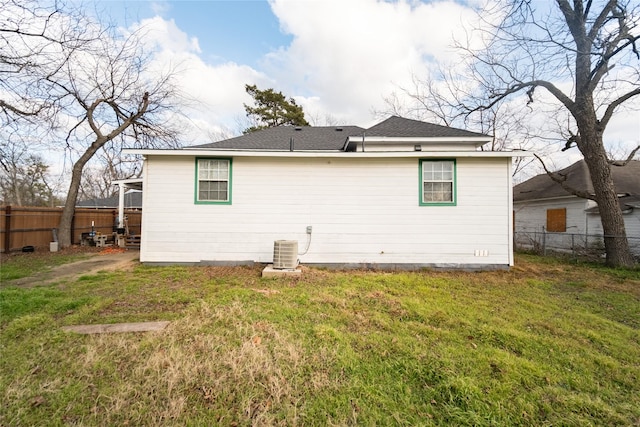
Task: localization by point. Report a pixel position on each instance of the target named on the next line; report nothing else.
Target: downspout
(511, 240)
(364, 134)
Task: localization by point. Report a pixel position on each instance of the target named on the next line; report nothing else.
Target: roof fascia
(549, 199)
(329, 154)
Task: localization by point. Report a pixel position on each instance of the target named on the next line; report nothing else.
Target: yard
(547, 343)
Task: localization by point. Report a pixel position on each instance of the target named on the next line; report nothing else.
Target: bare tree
(584, 55)
(35, 41)
(325, 119)
(24, 177)
(107, 165)
(437, 98)
(88, 83)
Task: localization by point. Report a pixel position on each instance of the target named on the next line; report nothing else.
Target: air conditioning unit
(285, 254)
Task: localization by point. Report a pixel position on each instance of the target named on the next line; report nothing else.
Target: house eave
(328, 154)
(548, 199)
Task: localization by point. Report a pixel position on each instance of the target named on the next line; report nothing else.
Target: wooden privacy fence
(30, 226)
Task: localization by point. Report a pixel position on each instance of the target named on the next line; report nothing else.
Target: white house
(401, 194)
(546, 214)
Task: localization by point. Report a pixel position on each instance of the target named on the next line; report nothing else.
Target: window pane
(202, 173)
(213, 180)
(213, 190)
(427, 171)
(437, 192)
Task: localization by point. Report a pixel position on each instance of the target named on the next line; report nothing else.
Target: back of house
(401, 194)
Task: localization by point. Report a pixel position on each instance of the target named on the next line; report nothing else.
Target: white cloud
(345, 56)
(215, 93)
(343, 59)
(166, 35)
(160, 8)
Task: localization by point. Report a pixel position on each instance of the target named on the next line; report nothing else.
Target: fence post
(7, 229)
(586, 243)
(544, 242)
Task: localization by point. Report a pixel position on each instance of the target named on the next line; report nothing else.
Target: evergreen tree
(272, 109)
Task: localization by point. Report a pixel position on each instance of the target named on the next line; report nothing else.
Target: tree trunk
(616, 243)
(65, 238)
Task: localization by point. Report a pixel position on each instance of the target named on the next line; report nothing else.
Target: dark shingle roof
(625, 178)
(396, 126)
(279, 138)
(625, 202)
(132, 199)
(333, 137)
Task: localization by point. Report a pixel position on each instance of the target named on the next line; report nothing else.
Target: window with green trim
(437, 182)
(213, 180)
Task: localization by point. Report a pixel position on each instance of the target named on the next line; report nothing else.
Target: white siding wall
(361, 211)
(632, 224)
(532, 216)
(632, 227)
(393, 147)
(531, 222)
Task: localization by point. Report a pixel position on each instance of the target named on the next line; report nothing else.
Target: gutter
(330, 154)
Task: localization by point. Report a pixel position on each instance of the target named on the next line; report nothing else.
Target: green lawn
(547, 343)
(18, 265)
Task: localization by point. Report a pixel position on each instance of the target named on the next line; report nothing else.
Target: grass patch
(17, 265)
(543, 344)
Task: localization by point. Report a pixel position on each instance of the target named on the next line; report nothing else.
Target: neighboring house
(401, 194)
(546, 214)
(132, 200)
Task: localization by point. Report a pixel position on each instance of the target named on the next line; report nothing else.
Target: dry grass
(545, 343)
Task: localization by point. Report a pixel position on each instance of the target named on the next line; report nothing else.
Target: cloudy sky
(338, 58)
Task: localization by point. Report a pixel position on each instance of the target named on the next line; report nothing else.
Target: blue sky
(241, 31)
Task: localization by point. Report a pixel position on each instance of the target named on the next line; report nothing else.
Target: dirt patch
(99, 261)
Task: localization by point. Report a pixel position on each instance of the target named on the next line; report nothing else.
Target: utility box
(285, 254)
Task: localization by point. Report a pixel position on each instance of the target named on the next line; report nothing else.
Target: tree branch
(611, 108)
(531, 85)
(561, 180)
(601, 20)
(627, 160)
(16, 110)
(144, 104)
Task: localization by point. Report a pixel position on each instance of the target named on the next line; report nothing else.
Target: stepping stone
(117, 327)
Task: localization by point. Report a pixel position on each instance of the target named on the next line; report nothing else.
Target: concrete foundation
(269, 271)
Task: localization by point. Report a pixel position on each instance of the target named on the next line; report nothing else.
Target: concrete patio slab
(269, 271)
(117, 327)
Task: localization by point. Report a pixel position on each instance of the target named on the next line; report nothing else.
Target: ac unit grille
(285, 254)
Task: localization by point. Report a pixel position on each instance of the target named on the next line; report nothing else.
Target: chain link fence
(576, 245)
